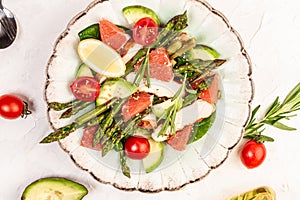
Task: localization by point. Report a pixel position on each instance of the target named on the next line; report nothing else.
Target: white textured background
(270, 30)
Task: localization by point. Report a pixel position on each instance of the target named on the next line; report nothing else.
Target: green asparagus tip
(220, 62)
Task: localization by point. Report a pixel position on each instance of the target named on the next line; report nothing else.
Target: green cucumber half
(54, 188)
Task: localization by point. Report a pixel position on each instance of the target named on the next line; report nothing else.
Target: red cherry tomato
(12, 107)
(136, 147)
(253, 154)
(85, 88)
(145, 31)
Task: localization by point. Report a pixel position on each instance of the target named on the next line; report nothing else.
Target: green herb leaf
(283, 126)
(91, 31)
(275, 113)
(201, 128)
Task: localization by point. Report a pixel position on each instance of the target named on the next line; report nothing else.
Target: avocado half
(54, 189)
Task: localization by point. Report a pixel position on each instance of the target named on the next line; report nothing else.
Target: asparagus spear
(110, 132)
(108, 122)
(74, 109)
(61, 106)
(205, 70)
(91, 116)
(124, 166)
(60, 133)
(169, 32)
(120, 134)
(130, 64)
(198, 68)
(188, 45)
(94, 113)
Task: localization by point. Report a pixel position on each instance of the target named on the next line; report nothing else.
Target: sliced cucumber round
(84, 70)
(155, 156)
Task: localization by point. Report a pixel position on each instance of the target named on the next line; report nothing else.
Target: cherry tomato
(137, 147)
(145, 31)
(12, 107)
(85, 88)
(253, 154)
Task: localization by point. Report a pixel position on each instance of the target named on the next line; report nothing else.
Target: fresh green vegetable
(60, 133)
(144, 68)
(201, 128)
(91, 31)
(200, 69)
(159, 109)
(190, 98)
(186, 46)
(136, 12)
(201, 52)
(109, 133)
(125, 168)
(115, 88)
(170, 30)
(171, 112)
(80, 121)
(61, 106)
(54, 188)
(273, 116)
(84, 70)
(155, 156)
(94, 113)
(107, 130)
(120, 134)
(74, 110)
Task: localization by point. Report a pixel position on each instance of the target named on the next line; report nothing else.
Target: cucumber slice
(136, 12)
(202, 52)
(155, 156)
(113, 88)
(54, 188)
(84, 70)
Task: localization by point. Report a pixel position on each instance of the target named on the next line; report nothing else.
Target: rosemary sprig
(142, 69)
(170, 114)
(273, 116)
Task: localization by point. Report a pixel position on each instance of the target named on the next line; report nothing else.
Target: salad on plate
(147, 85)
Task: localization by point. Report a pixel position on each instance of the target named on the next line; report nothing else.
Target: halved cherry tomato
(253, 154)
(145, 31)
(12, 107)
(137, 147)
(85, 88)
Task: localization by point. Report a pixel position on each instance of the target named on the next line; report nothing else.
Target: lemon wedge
(101, 58)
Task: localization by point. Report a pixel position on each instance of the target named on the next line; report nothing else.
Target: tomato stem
(26, 110)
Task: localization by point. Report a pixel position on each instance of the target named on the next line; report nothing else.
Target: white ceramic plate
(211, 28)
